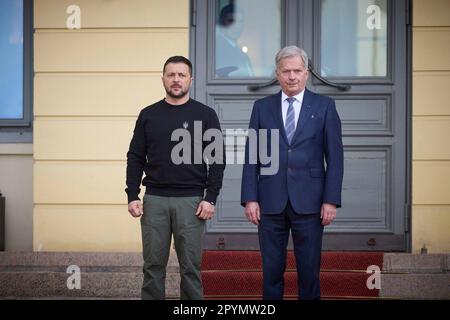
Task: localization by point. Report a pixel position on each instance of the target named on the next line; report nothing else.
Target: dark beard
(176, 96)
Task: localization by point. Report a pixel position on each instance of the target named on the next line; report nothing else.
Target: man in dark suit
(231, 61)
(302, 196)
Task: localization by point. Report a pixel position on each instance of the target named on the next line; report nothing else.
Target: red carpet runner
(237, 275)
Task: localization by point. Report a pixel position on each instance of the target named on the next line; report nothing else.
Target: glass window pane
(248, 36)
(11, 59)
(354, 38)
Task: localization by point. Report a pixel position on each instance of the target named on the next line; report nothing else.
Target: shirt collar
(220, 33)
(298, 97)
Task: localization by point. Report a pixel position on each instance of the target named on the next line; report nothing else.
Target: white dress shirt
(297, 106)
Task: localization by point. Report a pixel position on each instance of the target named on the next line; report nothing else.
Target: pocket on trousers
(145, 203)
(146, 198)
(197, 201)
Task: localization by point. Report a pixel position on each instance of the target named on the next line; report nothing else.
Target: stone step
(43, 275)
(98, 285)
(103, 275)
(97, 259)
(54, 284)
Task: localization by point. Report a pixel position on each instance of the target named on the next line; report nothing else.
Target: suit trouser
(307, 231)
(164, 216)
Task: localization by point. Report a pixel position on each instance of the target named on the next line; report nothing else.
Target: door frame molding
(409, 122)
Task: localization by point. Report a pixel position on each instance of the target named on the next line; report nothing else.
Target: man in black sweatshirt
(182, 180)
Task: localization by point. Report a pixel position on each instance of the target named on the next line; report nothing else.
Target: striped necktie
(289, 126)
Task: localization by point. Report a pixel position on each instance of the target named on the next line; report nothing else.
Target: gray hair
(291, 51)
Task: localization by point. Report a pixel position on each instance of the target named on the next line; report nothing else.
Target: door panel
(367, 114)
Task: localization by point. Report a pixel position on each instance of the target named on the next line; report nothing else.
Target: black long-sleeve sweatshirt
(151, 149)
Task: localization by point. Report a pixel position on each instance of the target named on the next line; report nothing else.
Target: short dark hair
(226, 11)
(178, 59)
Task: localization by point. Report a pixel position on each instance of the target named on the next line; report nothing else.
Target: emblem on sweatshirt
(185, 125)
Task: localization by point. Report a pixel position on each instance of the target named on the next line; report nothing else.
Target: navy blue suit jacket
(302, 177)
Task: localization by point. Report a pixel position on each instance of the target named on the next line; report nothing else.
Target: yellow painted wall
(91, 83)
(431, 125)
(89, 87)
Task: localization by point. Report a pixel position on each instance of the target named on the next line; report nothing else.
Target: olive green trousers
(164, 217)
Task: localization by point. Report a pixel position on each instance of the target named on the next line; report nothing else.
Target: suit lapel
(305, 114)
(277, 113)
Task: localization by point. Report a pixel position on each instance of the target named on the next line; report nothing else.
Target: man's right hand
(252, 212)
(135, 208)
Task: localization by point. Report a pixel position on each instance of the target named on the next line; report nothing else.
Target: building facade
(389, 68)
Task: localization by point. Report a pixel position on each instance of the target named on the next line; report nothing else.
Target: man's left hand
(205, 210)
(327, 213)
